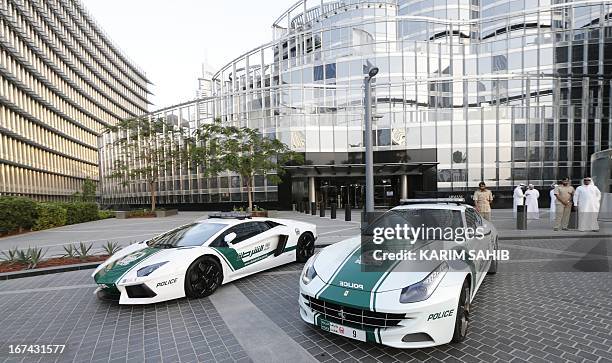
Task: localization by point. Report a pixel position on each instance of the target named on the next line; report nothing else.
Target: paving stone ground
(550, 303)
(518, 316)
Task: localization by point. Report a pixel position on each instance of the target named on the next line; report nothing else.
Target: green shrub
(30, 257)
(80, 212)
(35, 255)
(50, 215)
(16, 213)
(110, 248)
(105, 214)
(70, 250)
(10, 256)
(82, 250)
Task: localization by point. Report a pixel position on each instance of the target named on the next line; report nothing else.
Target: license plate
(345, 331)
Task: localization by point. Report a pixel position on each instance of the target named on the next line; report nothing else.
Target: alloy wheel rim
(204, 278)
(465, 317)
(307, 246)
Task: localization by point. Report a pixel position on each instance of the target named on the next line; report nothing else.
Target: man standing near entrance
(552, 211)
(482, 201)
(587, 200)
(564, 194)
(518, 198)
(531, 198)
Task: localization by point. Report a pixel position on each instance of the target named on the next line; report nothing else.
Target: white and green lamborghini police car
(418, 296)
(195, 259)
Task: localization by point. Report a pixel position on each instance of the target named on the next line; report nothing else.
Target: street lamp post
(369, 154)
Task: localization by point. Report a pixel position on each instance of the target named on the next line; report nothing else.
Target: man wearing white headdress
(553, 203)
(518, 198)
(533, 209)
(587, 199)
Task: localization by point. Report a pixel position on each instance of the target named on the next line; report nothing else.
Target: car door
(477, 242)
(255, 243)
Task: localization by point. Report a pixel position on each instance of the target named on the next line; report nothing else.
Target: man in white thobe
(518, 198)
(533, 209)
(587, 199)
(553, 203)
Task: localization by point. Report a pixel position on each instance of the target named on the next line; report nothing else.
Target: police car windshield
(194, 234)
(422, 219)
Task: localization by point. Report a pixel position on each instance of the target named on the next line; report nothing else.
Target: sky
(170, 40)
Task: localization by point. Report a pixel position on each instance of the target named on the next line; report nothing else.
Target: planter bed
(166, 213)
(51, 262)
(15, 232)
(133, 214)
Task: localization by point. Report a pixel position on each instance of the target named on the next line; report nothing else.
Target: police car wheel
(203, 277)
(305, 247)
(462, 320)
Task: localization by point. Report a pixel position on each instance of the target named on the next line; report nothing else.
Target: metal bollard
(521, 217)
(306, 207)
(333, 211)
(313, 208)
(322, 210)
(347, 212)
(573, 220)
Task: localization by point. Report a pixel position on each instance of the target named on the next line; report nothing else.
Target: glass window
(471, 218)
(244, 231)
(425, 218)
(519, 132)
(318, 73)
(330, 71)
(189, 235)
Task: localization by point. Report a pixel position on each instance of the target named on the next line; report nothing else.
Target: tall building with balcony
(501, 91)
(62, 81)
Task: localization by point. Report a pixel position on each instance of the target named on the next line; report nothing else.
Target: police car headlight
(423, 289)
(309, 272)
(146, 271)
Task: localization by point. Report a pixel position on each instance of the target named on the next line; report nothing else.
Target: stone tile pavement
(518, 316)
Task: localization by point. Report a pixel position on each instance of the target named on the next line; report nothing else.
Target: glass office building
(61, 81)
(501, 91)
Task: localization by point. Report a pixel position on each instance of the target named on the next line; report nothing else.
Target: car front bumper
(422, 324)
(147, 290)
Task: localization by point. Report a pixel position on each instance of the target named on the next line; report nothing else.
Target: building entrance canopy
(409, 168)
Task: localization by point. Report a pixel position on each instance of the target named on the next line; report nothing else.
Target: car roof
(231, 221)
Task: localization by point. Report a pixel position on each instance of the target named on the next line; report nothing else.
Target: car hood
(134, 257)
(344, 264)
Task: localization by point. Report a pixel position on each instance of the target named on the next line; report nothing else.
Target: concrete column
(311, 189)
(404, 187)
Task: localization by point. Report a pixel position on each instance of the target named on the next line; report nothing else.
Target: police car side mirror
(230, 237)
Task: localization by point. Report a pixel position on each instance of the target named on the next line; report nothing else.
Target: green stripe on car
(354, 287)
(112, 274)
(358, 248)
(231, 257)
(235, 262)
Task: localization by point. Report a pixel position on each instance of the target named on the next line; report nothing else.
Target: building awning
(414, 168)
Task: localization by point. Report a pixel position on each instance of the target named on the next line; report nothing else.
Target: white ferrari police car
(195, 259)
(350, 290)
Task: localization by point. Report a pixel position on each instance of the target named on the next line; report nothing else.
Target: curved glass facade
(504, 91)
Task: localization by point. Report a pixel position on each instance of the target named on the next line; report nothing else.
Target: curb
(47, 271)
